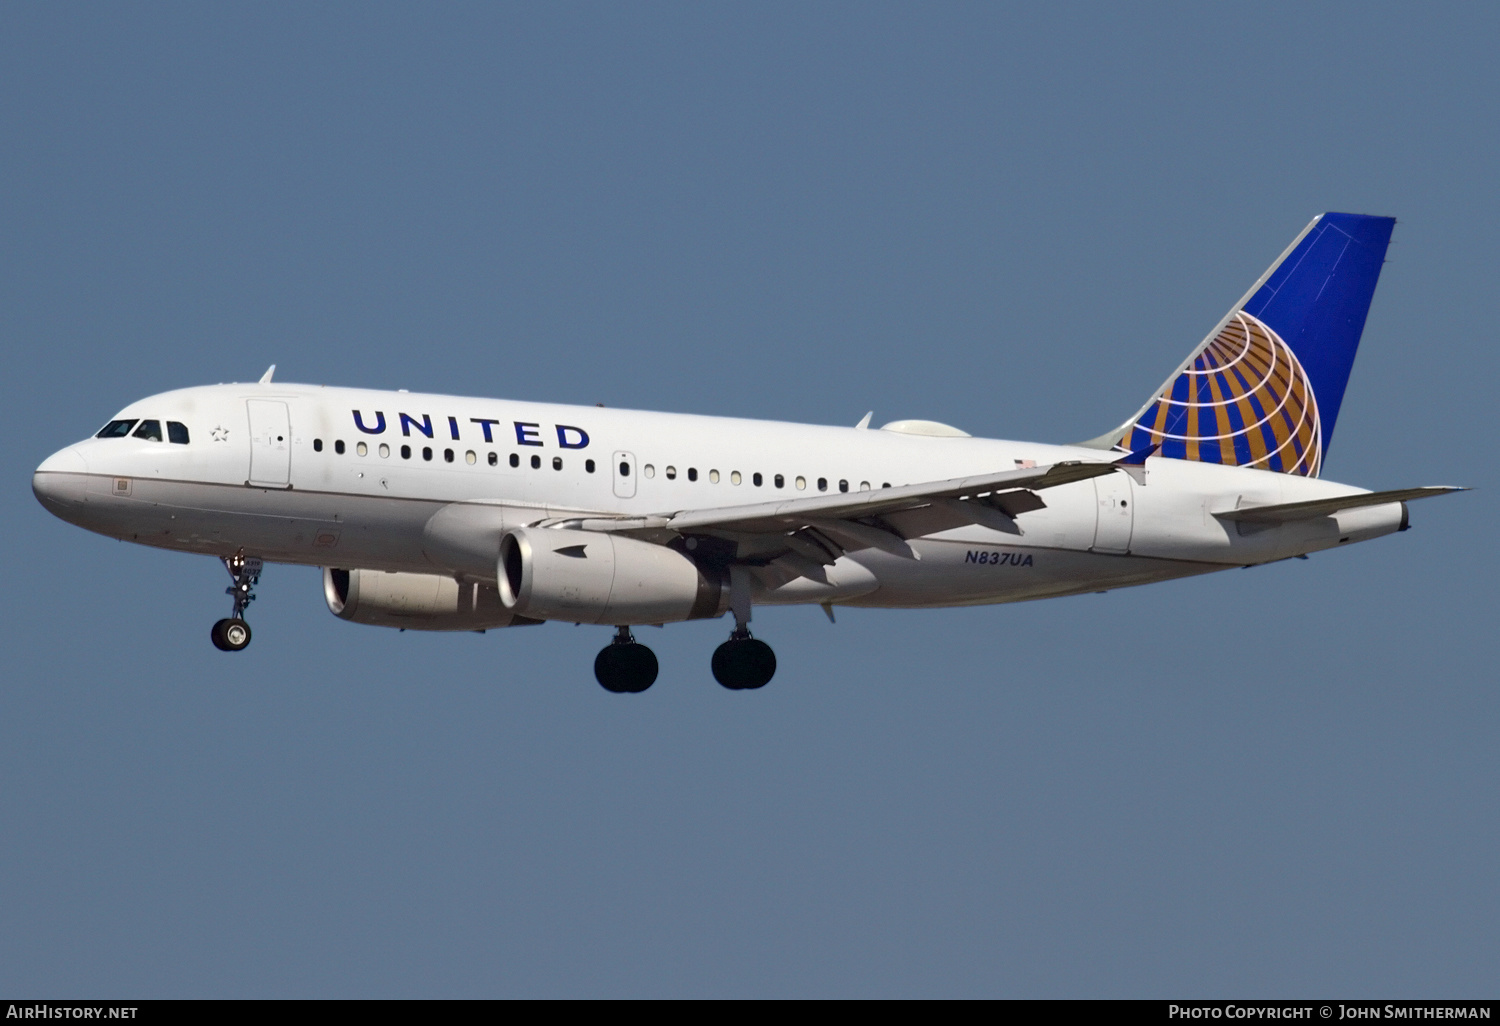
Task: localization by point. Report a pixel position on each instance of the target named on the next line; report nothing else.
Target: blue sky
(1280, 781)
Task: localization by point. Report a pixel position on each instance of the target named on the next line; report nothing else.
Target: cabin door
(1115, 513)
(270, 443)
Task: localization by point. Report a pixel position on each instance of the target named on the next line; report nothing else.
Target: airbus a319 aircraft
(438, 512)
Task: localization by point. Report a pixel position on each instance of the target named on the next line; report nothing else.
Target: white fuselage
(262, 473)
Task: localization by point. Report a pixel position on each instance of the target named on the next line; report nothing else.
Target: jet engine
(593, 577)
(419, 602)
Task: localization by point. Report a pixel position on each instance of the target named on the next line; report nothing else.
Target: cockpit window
(149, 429)
(177, 432)
(116, 429)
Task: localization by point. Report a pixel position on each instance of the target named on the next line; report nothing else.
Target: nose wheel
(625, 666)
(232, 634)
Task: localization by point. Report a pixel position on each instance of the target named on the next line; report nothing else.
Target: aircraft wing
(1289, 511)
(805, 534)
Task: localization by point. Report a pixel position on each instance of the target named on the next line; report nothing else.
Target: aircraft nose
(62, 481)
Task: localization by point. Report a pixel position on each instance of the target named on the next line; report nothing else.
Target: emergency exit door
(623, 470)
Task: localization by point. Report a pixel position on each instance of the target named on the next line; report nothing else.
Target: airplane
(446, 513)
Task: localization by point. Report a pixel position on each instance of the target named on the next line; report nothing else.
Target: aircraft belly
(967, 573)
(278, 525)
(847, 579)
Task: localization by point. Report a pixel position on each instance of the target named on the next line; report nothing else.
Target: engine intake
(593, 577)
(418, 602)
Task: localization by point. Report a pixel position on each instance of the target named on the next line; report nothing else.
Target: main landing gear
(744, 663)
(233, 634)
(625, 666)
(741, 663)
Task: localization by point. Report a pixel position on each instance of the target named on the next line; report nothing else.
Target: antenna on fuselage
(265, 379)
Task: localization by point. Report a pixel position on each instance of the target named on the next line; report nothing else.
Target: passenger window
(692, 473)
(624, 468)
(362, 449)
(150, 430)
(116, 429)
(886, 485)
(427, 452)
(864, 486)
(780, 481)
(515, 460)
(557, 463)
(338, 447)
(734, 477)
(756, 479)
(470, 458)
(494, 460)
(447, 455)
(588, 466)
(406, 452)
(536, 463)
(843, 486)
(671, 473)
(649, 470)
(385, 451)
(177, 433)
(713, 476)
(317, 445)
(801, 482)
(822, 484)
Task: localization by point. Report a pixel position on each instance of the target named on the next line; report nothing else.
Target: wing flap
(852, 534)
(791, 538)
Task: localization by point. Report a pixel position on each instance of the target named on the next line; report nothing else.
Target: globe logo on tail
(1243, 400)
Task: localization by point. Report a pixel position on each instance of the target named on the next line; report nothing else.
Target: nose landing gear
(625, 666)
(233, 634)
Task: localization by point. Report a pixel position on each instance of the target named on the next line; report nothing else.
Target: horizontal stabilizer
(1290, 511)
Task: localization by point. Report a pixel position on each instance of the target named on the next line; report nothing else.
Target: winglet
(864, 422)
(265, 379)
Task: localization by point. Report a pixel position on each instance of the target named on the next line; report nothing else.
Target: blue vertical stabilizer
(1264, 389)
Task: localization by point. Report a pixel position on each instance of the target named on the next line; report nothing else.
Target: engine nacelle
(418, 602)
(593, 577)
